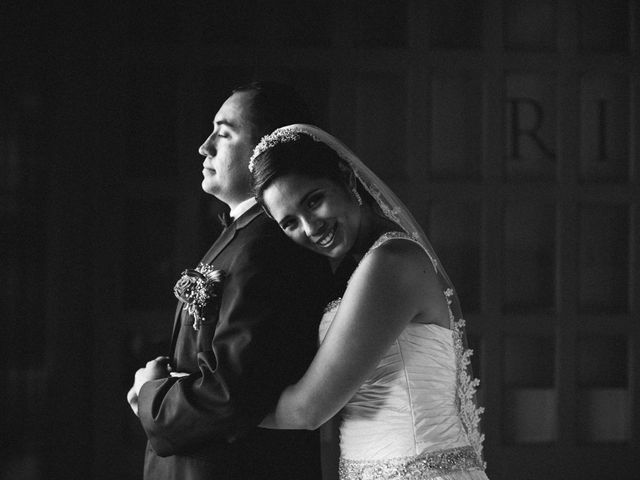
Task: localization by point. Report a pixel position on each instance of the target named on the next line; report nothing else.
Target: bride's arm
(385, 293)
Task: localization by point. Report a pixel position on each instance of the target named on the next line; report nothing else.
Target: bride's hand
(132, 399)
(268, 422)
(154, 370)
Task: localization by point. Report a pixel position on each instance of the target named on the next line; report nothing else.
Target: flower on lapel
(196, 287)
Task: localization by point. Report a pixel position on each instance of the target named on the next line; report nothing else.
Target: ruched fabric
(407, 406)
(413, 417)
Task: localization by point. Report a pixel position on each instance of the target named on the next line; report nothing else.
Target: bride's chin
(336, 252)
(323, 251)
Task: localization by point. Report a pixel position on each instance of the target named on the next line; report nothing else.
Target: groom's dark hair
(274, 105)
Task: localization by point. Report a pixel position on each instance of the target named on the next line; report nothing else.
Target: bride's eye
(314, 201)
(287, 225)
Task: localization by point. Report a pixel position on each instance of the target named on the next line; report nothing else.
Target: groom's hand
(155, 369)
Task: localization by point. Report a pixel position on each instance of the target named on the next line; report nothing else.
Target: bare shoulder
(400, 253)
(399, 260)
(399, 274)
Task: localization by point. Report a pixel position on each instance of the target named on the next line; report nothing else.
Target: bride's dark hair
(303, 156)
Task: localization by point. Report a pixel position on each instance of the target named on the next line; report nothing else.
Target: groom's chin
(207, 186)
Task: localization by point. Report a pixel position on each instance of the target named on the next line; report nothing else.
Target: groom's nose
(208, 147)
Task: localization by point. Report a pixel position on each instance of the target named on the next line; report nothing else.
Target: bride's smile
(319, 214)
(327, 238)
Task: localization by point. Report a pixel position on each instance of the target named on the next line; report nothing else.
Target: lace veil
(394, 209)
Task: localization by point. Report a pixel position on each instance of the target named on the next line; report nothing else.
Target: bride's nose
(311, 226)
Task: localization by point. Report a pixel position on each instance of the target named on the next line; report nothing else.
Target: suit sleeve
(265, 338)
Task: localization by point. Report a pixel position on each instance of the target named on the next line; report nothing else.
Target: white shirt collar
(242, 207)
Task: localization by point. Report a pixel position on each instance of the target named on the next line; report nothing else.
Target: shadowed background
(510, 128)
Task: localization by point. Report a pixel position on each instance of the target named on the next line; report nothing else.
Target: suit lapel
(174, 332)
(221, 242)
(229, 233)
(218, 246)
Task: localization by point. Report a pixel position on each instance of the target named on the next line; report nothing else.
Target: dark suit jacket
(258, 339)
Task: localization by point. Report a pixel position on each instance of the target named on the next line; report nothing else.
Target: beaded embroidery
(391, 235)
(332, 305)
(388, 236)
(281, 135)
(424, 466)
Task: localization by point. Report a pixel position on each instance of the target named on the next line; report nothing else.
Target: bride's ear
(348, 177)
(351, 183)
(266, 211)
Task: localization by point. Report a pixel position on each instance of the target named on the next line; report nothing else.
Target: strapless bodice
(408, 405)
(414, 416)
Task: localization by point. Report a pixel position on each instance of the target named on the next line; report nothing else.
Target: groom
(200, 407)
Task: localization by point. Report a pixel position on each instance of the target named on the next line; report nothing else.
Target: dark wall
(510, 128)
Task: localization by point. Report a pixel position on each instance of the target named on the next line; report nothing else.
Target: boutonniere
(196, 287)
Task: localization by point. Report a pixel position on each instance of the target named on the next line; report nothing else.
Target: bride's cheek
(296, 238)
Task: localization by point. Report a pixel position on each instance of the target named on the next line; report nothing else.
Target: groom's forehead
(235, 112)
(226, 122)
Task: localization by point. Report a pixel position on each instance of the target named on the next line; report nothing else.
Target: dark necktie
(225, 219)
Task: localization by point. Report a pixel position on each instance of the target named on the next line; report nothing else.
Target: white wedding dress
(414, 417)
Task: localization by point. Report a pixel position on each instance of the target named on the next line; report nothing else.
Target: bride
(392, 358)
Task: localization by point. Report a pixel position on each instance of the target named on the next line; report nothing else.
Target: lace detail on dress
(407, 236)
(466, 386)
(389, 236)
(332, 305)
(431, 464)
(424, 466)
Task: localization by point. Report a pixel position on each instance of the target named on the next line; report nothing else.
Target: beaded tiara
(281, 135)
